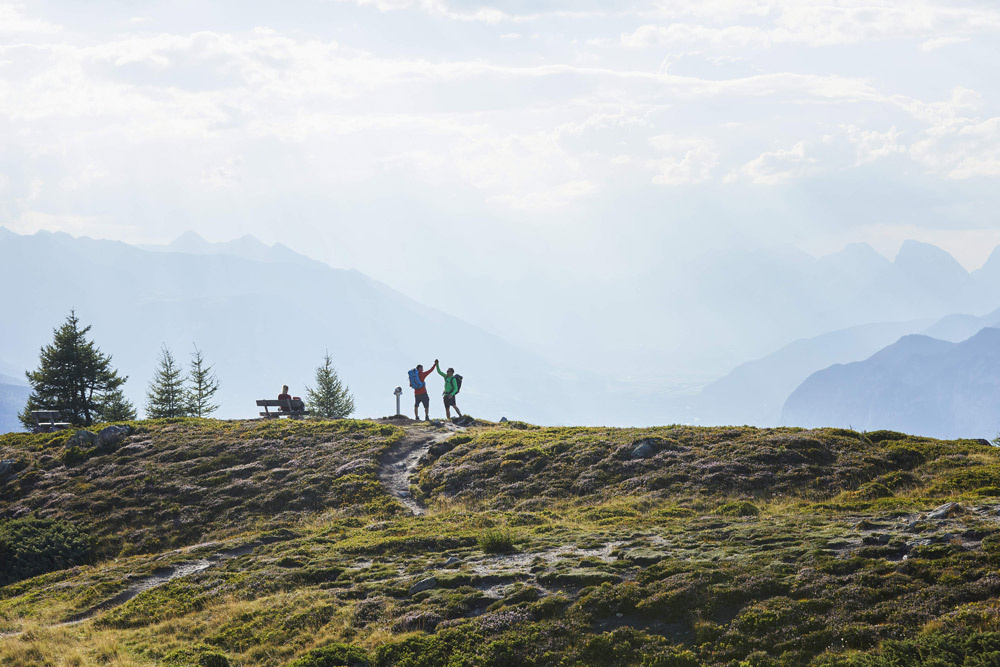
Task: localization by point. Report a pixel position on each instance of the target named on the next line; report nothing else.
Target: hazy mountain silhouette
(749, 304)
(755, 392)
(245, 247)
(264, 324)
(13, 395)
(918, 384)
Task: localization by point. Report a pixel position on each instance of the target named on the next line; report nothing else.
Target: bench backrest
(49, 416)
(287, 403)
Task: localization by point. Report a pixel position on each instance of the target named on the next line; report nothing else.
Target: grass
(549, 547)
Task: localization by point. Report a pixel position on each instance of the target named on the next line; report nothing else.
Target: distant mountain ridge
(918, 384)
(755, 392)
(246, 247)
(263, 324)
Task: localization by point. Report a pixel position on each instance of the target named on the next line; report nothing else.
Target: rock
(503, 420)
(81, 439)
(643, 451)
(112, 435)
(945, 511)
(452, 561)
(876, 539)
(423, 585)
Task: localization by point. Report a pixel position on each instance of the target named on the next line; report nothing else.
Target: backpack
(458, 384)
(415, 381)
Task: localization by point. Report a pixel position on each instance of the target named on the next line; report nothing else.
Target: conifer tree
(166, 396)
(331, 399)
(114, 407)
(73, 376)
(203, 385)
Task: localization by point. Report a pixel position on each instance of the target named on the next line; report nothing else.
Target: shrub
(31, 546)
(334, 655)
(496, 541)
(738, 508)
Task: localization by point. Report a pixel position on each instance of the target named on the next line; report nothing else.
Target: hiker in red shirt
(417, 380)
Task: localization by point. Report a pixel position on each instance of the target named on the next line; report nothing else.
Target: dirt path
(159, 577)
(400, 461)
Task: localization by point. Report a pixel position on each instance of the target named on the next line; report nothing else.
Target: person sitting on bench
(284, 396)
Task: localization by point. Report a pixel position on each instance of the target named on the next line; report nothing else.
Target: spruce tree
(73, 376)
(114, 407)
(203, 385)
(165, 396)
(331, 399)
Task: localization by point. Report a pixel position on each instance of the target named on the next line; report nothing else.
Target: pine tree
(73, 376)
(331, 399)
(115, 407)
(204, 384)
(165, 396)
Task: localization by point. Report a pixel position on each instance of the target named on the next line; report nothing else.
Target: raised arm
(440, 372)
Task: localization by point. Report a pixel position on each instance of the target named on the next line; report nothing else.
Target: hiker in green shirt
(452, 383)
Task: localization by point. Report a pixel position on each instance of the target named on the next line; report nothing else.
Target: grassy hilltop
(212, 543)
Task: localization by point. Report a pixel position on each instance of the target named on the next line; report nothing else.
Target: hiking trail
(158, 577)
(400, 461)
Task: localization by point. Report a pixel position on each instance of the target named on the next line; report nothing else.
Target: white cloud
(872, 145)
(14, 21)
(733, 25)
(547, 199)
(776, 167)
(687, 160)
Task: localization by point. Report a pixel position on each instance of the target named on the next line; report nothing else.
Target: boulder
(112, 435)
(644, 449)
(945, 511)
(423, 585)
(82, 439)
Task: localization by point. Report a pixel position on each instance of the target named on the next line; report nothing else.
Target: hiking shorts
(422, 398)
(449, 402)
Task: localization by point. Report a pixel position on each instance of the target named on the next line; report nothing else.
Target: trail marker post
(398, 393)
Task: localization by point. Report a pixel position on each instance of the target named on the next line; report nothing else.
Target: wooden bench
(287, 407)
(45, 421)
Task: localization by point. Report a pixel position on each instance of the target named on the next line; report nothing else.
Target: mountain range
(263, 322)
(265, 315)
(919, 384)
(755, 392)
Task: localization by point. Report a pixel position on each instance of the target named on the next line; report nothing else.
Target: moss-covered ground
(250, 543)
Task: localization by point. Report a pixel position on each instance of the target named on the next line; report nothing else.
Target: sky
(507, 158)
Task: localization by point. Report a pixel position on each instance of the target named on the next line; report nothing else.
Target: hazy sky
(522, 147)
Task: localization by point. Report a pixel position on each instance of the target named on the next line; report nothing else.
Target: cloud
(776, 167)
(688, 160)
(13, 21)
(731, 25)
(873, 145)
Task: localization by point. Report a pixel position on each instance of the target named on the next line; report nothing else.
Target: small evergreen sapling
(166, 396)
(203, 385)
(331, 399)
